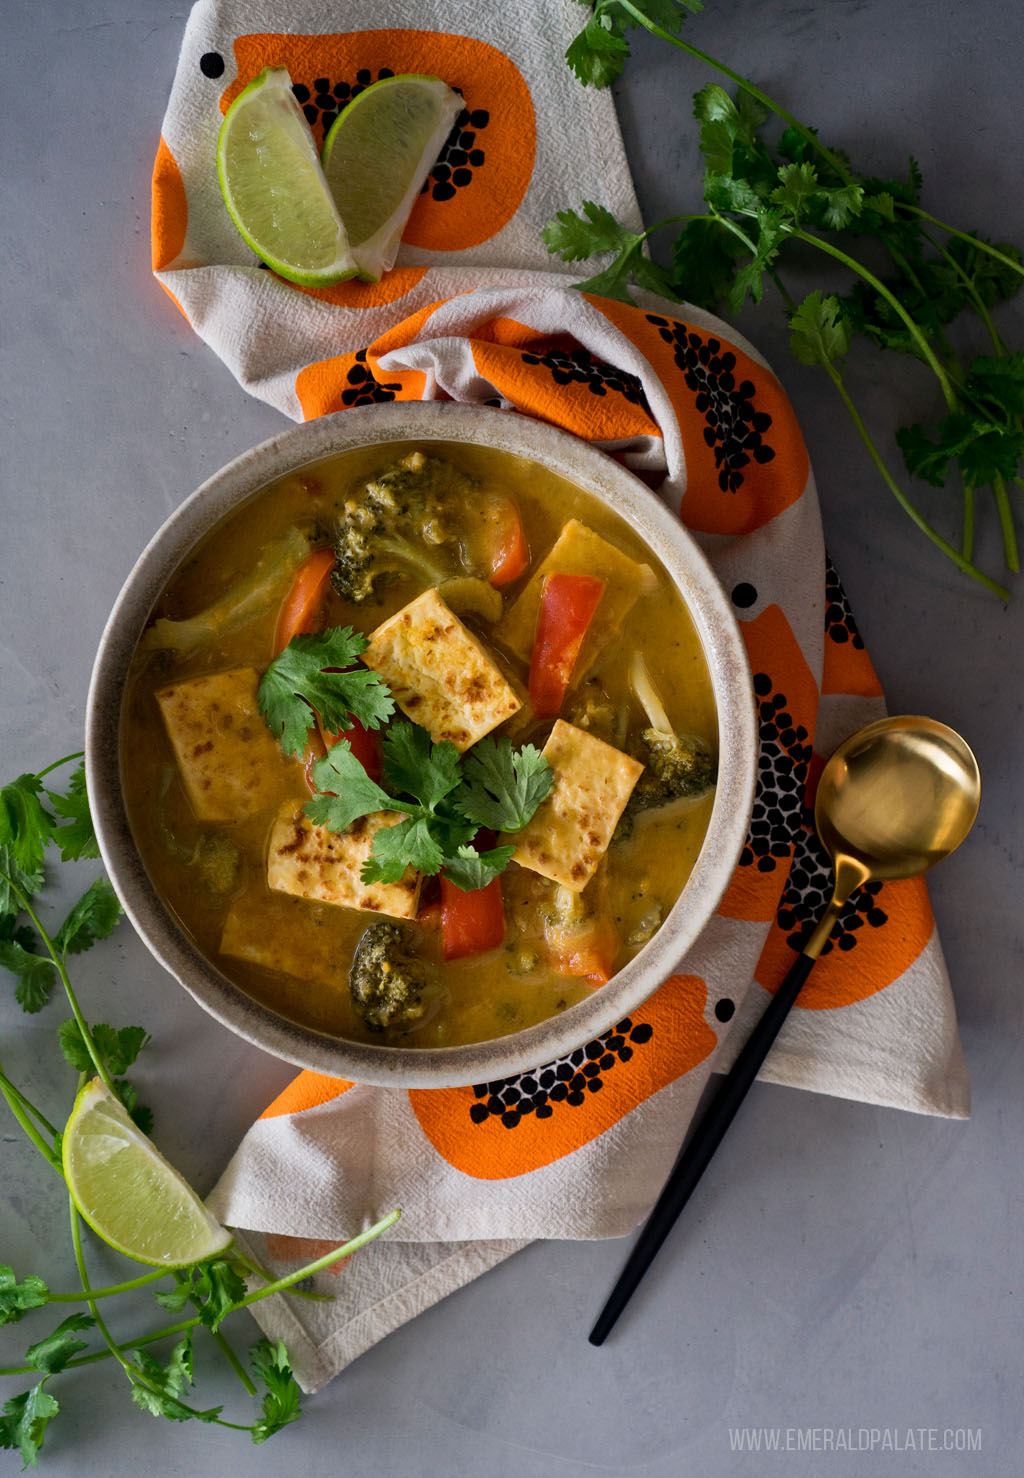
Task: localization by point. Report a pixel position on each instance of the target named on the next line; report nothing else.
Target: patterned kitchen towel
(578, 1147)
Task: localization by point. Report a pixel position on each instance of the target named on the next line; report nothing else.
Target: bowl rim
(586, 466)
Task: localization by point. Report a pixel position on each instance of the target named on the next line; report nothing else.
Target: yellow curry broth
(489, 995)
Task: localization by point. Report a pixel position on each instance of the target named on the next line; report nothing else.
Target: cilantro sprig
(37, 955)
(445, 798)
(316, 675)
(761, 199)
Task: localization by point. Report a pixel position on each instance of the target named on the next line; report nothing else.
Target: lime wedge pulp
(274, 188)
(377, 156)
(127, 1191)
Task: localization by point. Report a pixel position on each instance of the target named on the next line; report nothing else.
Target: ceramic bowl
(581, 464)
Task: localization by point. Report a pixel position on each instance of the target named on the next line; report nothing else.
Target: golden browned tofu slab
(230, 763)
(313, 862)
(571, 828)
(579, 551)
(439, 673)
(277, 933)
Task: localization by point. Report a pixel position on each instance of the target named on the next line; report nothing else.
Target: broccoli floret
(401, 523)
(385, 980)
(677, 766)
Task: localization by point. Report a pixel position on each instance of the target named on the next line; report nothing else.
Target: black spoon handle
(707, 1136)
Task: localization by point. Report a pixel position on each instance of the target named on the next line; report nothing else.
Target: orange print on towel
(745, 457)
(352, 294)
(302, 1250)
(347, 380)
(499, 1130)
(787, 704)
(555, 379)
(846, 668)
(879, 934)
(475, 187)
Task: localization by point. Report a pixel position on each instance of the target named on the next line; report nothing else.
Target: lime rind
(274, 188)
(128, 1193)
(377, 156)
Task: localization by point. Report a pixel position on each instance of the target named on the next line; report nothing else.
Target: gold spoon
(894, 799)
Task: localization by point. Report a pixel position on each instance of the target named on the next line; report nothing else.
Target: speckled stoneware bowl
(565, 455)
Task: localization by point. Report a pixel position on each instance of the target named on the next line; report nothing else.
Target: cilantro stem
(961, 562)
(1006, 523)
(912, 325)
(992, 251)
(78, 754)
(112, 1289)
(58, 961)
(967, 283)
(233, 1361)
(773, 107)
(20, 1108)
(279, 1285)
(741, 235)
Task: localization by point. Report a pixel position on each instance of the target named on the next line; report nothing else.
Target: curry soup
(293, 953)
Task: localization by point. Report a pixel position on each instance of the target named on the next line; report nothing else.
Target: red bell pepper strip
(471, 922)
(567, 604)
(300, 610)
(511, 555)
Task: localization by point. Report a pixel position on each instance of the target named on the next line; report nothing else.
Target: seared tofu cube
(571, 828)
(230, 763)
(439, 673)
(277, 933)
(316, 863)
(579, 551)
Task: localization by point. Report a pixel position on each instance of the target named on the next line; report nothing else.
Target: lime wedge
(274, 188)
(376, 157)
(126, 1190)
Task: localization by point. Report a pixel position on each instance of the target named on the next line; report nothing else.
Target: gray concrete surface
(842, 1269)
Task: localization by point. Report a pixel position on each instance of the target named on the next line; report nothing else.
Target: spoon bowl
(892, 800)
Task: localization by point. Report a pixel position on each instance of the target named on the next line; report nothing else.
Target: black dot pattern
(733, 426)
(323, 99)
(579, 367)
(744, 595)
(777, 821)
(462, 153)
(560, 1085)
(362, 388)
(807, 893)
(840, 626)
(725, 1009)
(211, 64)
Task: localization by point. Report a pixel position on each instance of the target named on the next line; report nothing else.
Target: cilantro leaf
(117, 1046)
(51, 1354)
(139, 1114)
(311, 677)
(573, 236)
(36, 975)
(470, 869)
(76, 839)
(704, 258)
(413, 765)
(12, 876)
(24, 1421)
(282, 1402)
(503, 787)
(161, 1388)
(395, 848)
(17, 1298)
(999, 382)
(25, 825)
(11, 930)
(819, 330)
(597, 54)
(797, 187)
(346, 791)
(93, 917)
(215, 1286)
